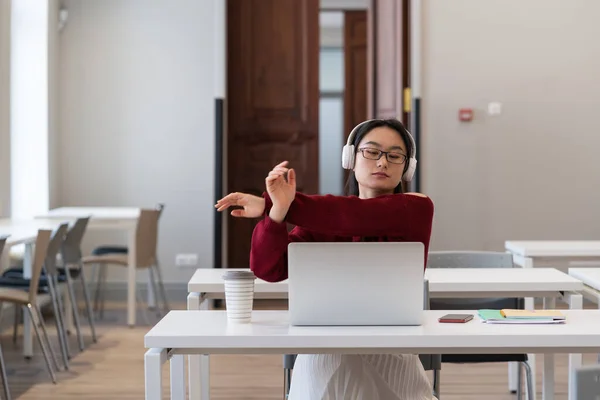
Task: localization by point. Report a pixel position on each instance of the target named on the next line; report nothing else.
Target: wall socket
(186, 260)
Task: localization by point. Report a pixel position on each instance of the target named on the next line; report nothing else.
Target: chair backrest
(41, 249)
(147, 238)
(2, 244)
(53, 248)
(71, 246)
(471, 259)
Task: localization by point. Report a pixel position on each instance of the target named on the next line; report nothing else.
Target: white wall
(4, 107)
(532, 172)
(53, 104)
(136, 116)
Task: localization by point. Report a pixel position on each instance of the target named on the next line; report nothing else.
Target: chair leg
(75, 308)
(97, 294)
(60, 328)
(436, 383)
(287, 382)
(40, 319)
(18, 311)
(95, 278)
(103, 290)
(88, 304)
(3, 374)
(529, 377)
(288, 365)
(36, 319)
(140, 301)
(62, 311)
(155, 290)
(161, 285)
(520, 381)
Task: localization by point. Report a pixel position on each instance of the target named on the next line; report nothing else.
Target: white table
(590, 277)
(555, 253)
(443, 283)
(24, 232)
(111, 218)
(189, 332)
(547, 283)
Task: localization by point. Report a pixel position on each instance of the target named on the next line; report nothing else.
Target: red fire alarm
(465, 114)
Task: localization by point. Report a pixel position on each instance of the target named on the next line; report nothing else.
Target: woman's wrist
(278, 214)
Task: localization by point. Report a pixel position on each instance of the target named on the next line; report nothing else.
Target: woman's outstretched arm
(400, 215)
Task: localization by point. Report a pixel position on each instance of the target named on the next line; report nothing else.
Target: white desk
(547, 283)
(24, 232)
(443, 283)
(189, 332)
(590, 277)
(109, 218)
(556, 253)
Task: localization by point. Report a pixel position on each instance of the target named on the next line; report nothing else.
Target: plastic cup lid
(237, 275)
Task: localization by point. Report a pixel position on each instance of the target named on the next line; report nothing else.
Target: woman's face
(376, 177)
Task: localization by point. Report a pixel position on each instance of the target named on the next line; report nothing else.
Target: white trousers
(359, 377)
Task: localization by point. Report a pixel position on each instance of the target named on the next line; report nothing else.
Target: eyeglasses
(375, 154)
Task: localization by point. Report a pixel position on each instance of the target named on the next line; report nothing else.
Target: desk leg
(131, 277)
(27, 333)
(153, 361)
(198, 365)
(575, 360)
(527, 262)
(548, 373)
(513, 367)
(177, 377)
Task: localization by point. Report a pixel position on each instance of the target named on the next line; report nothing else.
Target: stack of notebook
(507, 316)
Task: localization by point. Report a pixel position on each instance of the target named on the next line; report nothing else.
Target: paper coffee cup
(239, 295)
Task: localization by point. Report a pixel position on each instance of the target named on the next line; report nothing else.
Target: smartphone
(456, 318)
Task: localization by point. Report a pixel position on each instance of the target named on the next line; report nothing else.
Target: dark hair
(352, 183)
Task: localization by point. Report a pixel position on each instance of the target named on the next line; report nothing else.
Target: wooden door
(272, 101)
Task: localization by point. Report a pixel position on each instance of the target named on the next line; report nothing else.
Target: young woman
(380, 155)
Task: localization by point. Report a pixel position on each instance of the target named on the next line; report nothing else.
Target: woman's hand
(253, 206)
(281, 192)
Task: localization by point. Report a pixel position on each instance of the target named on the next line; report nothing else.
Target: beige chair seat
(117, 259)
(14, 295)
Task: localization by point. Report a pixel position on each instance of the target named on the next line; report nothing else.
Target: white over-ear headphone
(349, 153)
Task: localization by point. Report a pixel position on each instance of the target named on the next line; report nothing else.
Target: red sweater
(389, 218)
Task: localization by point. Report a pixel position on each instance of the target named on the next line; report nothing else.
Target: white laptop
(356, 283)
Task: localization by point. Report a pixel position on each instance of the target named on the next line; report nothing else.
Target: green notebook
(490, 315)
